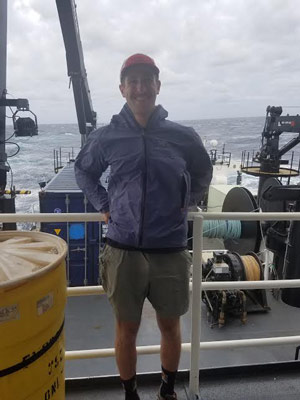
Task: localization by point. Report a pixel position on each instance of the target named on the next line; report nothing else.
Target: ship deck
(257, 382)
(268, 372)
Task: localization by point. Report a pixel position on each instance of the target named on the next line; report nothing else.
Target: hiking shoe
(167, 396)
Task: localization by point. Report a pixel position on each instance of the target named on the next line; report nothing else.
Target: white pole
(52, 217)
(84, 291)
(196, 307)
(74, 217)
(229, 285)
(267, 262)
(186, 347)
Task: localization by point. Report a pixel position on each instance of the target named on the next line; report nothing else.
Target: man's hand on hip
(106, 216)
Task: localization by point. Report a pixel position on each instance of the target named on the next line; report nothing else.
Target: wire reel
(244, 268)
(240, 199)
(252, 268)
(231, 266)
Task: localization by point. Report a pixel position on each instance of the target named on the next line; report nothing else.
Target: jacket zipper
(143, 192)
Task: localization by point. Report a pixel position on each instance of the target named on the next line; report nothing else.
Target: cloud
(217, 58)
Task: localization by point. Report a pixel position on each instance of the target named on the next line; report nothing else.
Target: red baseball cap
(136, 59)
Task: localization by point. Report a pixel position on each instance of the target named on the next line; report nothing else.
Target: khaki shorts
(128, 277)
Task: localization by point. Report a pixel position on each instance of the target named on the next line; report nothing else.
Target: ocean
(33, 163)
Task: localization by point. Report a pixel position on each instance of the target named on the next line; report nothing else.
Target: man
(157, 169)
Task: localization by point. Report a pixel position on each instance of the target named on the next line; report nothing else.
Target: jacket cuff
(104, 209)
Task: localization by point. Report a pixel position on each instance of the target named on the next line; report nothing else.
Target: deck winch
(282, 237)
(230, 266)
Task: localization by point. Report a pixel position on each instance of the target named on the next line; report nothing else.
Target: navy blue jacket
(156, 173)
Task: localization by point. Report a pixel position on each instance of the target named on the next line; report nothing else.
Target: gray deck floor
(271, 384)
(90, 325)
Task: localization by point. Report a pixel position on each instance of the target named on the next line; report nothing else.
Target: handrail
(92, 217)
(52, 217)
(197, 286)
(280, 283)
(186, 347)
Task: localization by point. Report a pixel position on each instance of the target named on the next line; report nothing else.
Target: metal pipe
(99, 250)
(286, 283)
(267, 263)
(196, 307)
(68, 240)
(237, 285)
(247, 216)
(3, 61)
(80, 217)
(186, 347)
(51, 217)
(228, 285)
(85, 201)
(85, 291)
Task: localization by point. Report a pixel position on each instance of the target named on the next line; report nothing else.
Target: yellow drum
(32, 302)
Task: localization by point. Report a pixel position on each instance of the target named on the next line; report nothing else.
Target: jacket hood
(126, 117)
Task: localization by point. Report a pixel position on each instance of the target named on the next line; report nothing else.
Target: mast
(7, 202)
(3, 58)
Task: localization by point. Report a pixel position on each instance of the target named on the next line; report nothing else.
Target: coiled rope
(222, 229)
(251, 267)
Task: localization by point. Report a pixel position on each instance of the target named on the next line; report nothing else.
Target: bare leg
(170, 342)
(125, 348)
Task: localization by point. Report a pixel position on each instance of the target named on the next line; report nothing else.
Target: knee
(126, 331)
(169, 328)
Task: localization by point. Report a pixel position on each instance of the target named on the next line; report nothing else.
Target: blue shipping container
(62, 195)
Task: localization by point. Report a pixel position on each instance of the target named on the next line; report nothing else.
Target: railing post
(267, 263)
(196, 307)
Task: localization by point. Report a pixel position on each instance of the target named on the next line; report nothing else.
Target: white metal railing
(212, 345)
(283, 283)
(90, 217)
(197, 287)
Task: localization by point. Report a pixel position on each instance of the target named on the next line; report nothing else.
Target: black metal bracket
(287, 193)
(297, 353)
(21, 104)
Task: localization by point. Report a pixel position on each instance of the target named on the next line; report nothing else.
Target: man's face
(140, 87)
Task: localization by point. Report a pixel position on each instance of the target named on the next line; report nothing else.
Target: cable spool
(244, 268)
(229, 266)
(222, 229)
(239, 199)
(252, 268)
(249, 268)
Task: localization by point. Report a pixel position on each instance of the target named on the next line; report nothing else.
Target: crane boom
(86, 116)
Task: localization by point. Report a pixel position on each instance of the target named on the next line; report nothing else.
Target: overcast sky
(218, 58)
